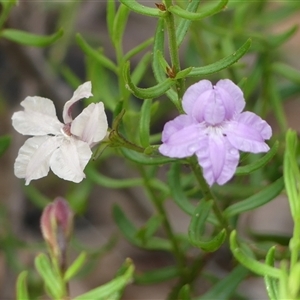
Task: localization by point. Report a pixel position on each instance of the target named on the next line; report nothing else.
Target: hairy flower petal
(248, 133)
(38, 117)
(91, 125)
(217, 158)
(34, 156)
(70, 159)
(180, 137)
(83, 91)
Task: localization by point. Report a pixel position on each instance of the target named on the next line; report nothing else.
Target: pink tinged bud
(56, 225)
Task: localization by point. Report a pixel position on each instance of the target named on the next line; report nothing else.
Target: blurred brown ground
(20, 78)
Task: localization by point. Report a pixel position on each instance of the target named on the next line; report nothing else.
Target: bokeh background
(41, 71)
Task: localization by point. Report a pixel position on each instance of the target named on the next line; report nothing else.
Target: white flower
(65, 148)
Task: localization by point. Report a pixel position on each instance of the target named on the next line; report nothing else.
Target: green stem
(295, 243)
(158, 203)
(208, 195)
(173, 49)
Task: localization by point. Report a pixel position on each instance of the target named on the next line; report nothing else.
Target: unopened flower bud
(56, 225)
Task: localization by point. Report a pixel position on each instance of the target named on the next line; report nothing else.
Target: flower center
(66, 130)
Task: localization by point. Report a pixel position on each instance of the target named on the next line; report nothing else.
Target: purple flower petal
(193, 94)
(180, 137)
(218, 159)
(232, 95)
(248, 133)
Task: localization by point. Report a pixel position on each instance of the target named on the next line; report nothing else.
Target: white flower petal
(83, 91)
(34, 156)
(38, 117)
(70, 159)
(91, 125)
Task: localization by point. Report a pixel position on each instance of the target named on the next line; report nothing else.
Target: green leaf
(29, 39)
(194, 16)
(119, 25)
(249, 262)
(145, 159)
(245, 170)
(139, 48)
(271, 283)
(257, 200)
(96, 55)
(130, 233)
(222, 63)
(177, 193)
(183, 73)
(75, 267)
(144, 125)
(148, 230)
(110, 15)
(158, 49)
(184, 24)
(109, 290)
(157, 276)
(112, 183)
(225, 288)
(141, 9)
(146, 93)
(4, 143)
(291, 172)
(286, 71)
(197, 225)
(21, 287)
(52, 281)
(185, 293)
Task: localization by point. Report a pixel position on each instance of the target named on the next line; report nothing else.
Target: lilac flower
(215, 128)
(65, 148)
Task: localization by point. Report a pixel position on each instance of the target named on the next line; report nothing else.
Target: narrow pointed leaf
(75, 267)
(184, 24)
(287, 71)
(158, 49)
(194, 16)
(29, 39)
(108, 290)
(146, 93)
(249, 262)
(130, 233)
(197, 226)
(257, 200)
(119, 24)
(52, 281)
(21, 287)
(145, 159)
(223, 63)
(177, 193)
(138, 49)
(271, 283)
(144, 125)
(244, 170)
(112, 183)
(141, 9)
(225, 288)
(185, 293)
(98, 56)
(110, 15)
(157, 276)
